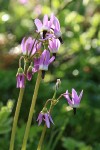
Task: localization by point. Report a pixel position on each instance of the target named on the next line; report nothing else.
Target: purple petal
(38, 24)
(42, 57)
(51, 20)
(28, 45)
(80, 96)
(40, 118)
(66, 95)
(50, 118)
(47, 57)
(20, 81)
(36, 65)
(51, 59)
(47, 120)
(45, 20)
(23, 46)
(57, 24)
(75, 97)
(29, 75)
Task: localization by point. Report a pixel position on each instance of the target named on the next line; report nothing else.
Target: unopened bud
(29, 73)
(58, 83)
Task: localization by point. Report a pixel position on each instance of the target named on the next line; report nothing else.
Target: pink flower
(75, 98)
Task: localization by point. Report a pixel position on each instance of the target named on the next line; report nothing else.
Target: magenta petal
(47, 120)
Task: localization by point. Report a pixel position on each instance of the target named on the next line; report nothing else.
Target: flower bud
(58, 83)
(20, 78)
(29, 73)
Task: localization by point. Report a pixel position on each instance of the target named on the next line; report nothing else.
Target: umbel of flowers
(38, 53)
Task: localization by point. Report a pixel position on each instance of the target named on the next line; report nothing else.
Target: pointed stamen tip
(74, 110)
(44, 33)
(60, 39)
(54, 54)
(43, 74)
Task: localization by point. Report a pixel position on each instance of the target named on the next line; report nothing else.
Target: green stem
(44, 130)
(31, 111)
(42, 138)
(19, 102)
(21, 93)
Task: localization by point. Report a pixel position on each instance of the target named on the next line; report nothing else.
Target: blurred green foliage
(77, 65)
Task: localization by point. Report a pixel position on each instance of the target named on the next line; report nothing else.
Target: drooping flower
(29, 46)
(54, 45)
(45, 117)
(29, 73)
(20, 78)
(45, 60)
(75, 98)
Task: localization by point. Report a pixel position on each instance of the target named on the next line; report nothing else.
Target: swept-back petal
(28, 45)
(38, 24)
(47, 120)
(75, 97)
(50, 23)
(51, 59)
(40, 118)
(45, 20)
(57, 24)
(66, 95)
(47, 57)
(50, 118)
(80, 96)
(23, 46)
(42, 57)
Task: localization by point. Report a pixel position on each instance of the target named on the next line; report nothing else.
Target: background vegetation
(77, 65)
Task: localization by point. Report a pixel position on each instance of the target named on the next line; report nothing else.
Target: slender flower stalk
(21, 93)
(45, 126)
(42, 138)
(31, 111)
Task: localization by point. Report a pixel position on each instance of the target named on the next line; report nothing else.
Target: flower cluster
(40, 52)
